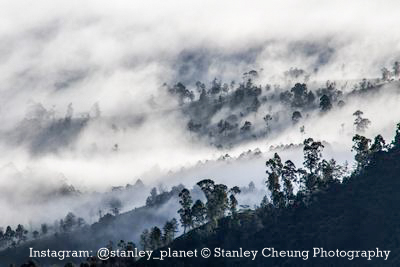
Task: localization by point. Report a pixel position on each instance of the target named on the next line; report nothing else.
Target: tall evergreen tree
(361, 147)
(325, 103)
(360, 122)
(155, 238)
(331, 171)
(199, 213)
(9, 235)
(233, 201)
(378, 145)
(20, 233)
(312, 156)
(264, 202)
(217, 200)
(396, 141)
(151, 200)
(185, 210)
(274, 171)
(289, 176)
(170, 229)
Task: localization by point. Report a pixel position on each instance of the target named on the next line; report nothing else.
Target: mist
(99, 67)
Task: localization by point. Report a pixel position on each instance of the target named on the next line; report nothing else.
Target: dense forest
(226, 114)
(327, 210)
(199, 133)
(320, 203)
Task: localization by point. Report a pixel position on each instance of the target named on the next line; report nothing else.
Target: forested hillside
(360, 213)
(316, 205)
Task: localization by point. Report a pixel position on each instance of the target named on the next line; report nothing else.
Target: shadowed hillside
(359, 214)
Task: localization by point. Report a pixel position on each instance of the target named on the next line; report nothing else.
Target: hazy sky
(118, 54)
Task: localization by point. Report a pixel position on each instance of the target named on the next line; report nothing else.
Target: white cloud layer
(118, 54)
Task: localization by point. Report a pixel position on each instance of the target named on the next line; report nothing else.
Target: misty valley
(193, 213)
(217, 133)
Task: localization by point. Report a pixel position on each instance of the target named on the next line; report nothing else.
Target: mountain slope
(360, 214)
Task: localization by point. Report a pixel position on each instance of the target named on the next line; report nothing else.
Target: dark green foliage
(312, 156)
(152, 198)
(300, 95)
(217, 200)
(9, 235)
(20, 233)
(274, 171)
(185, 211)
(233, 201)
(331, 171)
(264, 202)
(358, 214)
(361, 148)
(378, 145)
(155, 238)
(396, 140)
(289, 176)
(199, 212)
(156, 199)
(170, 229)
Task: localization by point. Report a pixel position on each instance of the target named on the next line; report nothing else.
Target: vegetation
(318, 203)
(331, 208)
(340, 211)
